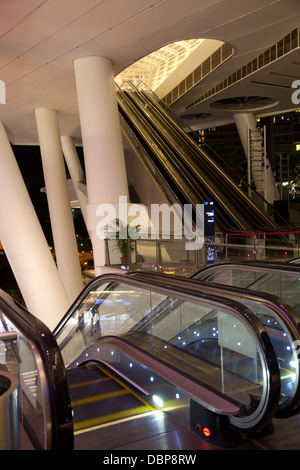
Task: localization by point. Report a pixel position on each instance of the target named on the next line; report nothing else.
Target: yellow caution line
(113, 417)
(108, 418)
(103, 396)
(292, 372)
(89, 382)
(127, 388)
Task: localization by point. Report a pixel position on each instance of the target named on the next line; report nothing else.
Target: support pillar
(58, 202)
(245, 122)
(75, 170)
(25, 245)
(102, 142)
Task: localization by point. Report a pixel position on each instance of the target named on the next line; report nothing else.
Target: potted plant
(124, 242)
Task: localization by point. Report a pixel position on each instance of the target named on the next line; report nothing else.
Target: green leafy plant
(125, 236)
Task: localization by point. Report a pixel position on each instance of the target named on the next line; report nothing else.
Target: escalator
(281, 321)
(132, 346)
(280, 279)
(184, 172)
(147, 329)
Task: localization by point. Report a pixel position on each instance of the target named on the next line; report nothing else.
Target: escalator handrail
(239, 311)
(154, 137)
(262, 266)
(209, 398)
(182, 124)
(175, 119)
(184, 168)
(284, 312)
(60, 426)
(180, 134)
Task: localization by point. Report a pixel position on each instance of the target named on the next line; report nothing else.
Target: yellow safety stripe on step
(102, 396)
(127, 388)
(108, 418)
(89, 382)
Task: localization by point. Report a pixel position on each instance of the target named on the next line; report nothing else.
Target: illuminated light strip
(110, 419)
(112, 423)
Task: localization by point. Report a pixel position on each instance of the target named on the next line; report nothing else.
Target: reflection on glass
(281, 285)
(210, 344)
(16, 357)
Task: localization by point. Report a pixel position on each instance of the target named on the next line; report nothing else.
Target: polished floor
(159, 431)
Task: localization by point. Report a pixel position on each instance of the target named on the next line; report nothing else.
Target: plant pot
(124, 260)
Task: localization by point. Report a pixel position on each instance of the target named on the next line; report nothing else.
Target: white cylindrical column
(75, 170)
(102, 141)
(25, 245)
(58, 202)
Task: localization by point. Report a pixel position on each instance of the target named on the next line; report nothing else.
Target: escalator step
(99, 398)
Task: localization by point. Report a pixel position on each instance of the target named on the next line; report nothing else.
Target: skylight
(154, 68)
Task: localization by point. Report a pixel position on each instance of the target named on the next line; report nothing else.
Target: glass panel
(111, 309)
(283, 346)
(207, 343)
(222, 352)
(282, 285)
(16, 357)
(286, 288)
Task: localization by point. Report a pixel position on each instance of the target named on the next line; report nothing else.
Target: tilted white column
(75, 170)
(245, 122)
(25, 245)
(58, 202)
(102, 141)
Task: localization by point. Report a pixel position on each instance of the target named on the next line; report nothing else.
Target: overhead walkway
(184, 171)
(160, 354)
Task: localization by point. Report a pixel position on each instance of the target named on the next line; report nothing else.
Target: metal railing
(171, 256)
(29, 353)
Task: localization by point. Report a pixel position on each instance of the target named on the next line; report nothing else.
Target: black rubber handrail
(59, 429)
(262, 266)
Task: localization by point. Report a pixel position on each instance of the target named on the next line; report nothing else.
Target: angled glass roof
(155, 67)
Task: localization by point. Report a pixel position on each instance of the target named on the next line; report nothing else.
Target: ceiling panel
(39, 40)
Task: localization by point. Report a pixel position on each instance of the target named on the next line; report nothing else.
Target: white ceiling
(39, 39)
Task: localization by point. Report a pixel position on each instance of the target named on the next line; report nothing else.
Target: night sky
(30, 164)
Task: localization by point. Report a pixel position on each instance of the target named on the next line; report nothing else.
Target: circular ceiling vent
(244, 103)
(196, 116)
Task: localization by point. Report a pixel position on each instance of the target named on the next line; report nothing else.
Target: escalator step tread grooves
(97, 398)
